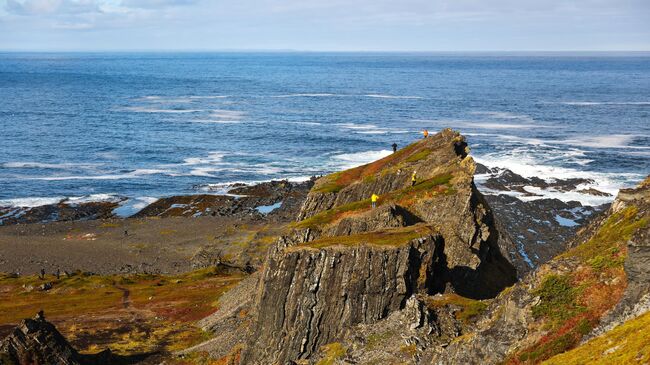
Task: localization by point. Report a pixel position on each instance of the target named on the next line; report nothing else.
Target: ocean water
(96, 126)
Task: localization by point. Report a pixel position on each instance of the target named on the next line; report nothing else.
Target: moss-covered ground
(132, 314)
(469, 308)
(439, 184)
(626, 344)
(572, 303)
(404, 157)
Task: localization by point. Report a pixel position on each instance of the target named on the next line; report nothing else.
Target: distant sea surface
(92, 126)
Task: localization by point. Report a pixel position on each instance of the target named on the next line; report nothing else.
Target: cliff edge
(344, 263)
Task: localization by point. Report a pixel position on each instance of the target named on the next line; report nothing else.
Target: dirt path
(126, 293)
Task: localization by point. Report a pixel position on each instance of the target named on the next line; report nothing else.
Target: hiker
(58, 274)
(126, 233)
(394, 147)
(425, 133)
(414, 178)
(42, 276)
(373, 199)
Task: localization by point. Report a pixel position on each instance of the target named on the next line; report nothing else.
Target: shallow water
(159, 124)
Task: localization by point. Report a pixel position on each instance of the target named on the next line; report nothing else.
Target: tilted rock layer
(344, 264)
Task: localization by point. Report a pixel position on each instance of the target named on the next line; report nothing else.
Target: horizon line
(290, 50)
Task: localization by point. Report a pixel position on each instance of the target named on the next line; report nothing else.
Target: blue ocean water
(146, 125)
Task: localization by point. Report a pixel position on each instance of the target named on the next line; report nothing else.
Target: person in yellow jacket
(373, 200)
(425, 133)
(414, 178)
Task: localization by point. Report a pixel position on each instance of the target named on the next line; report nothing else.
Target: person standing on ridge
(394, 147)
(414, 178)
(373, 200)
(425, 133)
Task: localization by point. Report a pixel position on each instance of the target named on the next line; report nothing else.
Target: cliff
(343, 263)
(586, 292)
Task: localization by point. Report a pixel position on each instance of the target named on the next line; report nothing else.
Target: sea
(140, 126)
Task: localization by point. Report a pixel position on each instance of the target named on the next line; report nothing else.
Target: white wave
(165, 100)
(225, 114)
(31, 202)
(130, 175)
(355, 126)
(141, 109)
(317, 95)
(39, 165)
(505, 115)
(208, 96)
(93, 198)
(305, 95)
(470, 124)
(132, 206)
(215, 121)
(350, 160)
(385, 96)
(213, 157)
(592, 103)
(524, 164)
(374, 132)
(606, 141)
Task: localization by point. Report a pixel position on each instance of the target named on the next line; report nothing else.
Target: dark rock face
(309, 296)
(323, 278)
(36, 341)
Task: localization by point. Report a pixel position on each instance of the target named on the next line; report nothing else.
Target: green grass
(333, 351)
(470, 308)
(421, 155)
(557, 298)
(571, 304)
(435, 185)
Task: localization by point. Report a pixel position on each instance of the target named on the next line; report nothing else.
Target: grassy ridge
(439, 184)
(571, 304)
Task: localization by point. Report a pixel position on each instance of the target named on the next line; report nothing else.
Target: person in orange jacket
(425, 133)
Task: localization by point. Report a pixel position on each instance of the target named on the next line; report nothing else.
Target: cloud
(156, 4)
(52, 7)
(327, 24)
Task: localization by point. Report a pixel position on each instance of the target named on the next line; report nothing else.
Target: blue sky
(326, 25)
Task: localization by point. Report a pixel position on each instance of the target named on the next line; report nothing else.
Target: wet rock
(63, 211)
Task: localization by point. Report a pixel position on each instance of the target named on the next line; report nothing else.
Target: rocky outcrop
(309, 296)
(36, 341)
(580, 291)
(282, 198)
(539, 227)
(345, 264)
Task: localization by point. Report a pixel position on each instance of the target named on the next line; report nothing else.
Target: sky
(325, 25)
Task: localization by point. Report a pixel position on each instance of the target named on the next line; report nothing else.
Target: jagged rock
(36, 341)
(343, 264)
(309, 296)
(389, 216)
(511, 332)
